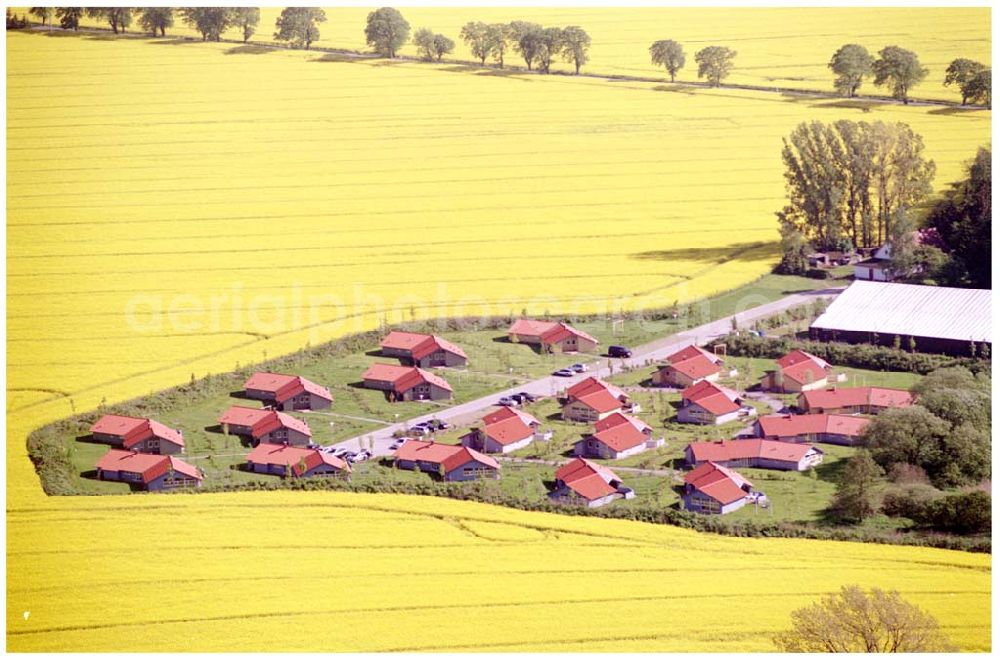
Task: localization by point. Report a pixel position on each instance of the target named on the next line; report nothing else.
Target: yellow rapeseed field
(177, 208)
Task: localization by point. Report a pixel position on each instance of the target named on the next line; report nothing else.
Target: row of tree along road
(386, 31)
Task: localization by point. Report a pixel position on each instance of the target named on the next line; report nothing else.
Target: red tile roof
(738, 449)
(148, 465)
(294, 457)
(507, 426)
(600, 401)
(591, 385)
(695, 367)
(448, 456)
(504, 413)
(722, 484)
(803, 367)
(285, 386)
(263, 421)
(797, 356)
(782, 425)
(620, 432)
(691, 351)
(588, 479)
(547, 332)
(835, 398)
(135, 430)
(715, 399)
(419, 345)
(403, 378)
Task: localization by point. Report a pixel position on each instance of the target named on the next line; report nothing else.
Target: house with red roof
(423, 350)
(592, 399)
(401, 383)
(617, 436)
(855, 400)
(143, 435)
(451, 463)
(287, 392)
(714, 489)
(706, 403)
(502, 431)
(148, 471)
(551, 337)
(295, 462)
(823, 428)
(687, 367)
(797, 371)
(754, 453)
(265, 426)
(588, 483)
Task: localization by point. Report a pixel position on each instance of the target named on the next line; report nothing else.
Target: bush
(962, 513)
(906, 474)
(912, 502)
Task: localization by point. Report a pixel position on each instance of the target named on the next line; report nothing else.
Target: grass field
(178, 208)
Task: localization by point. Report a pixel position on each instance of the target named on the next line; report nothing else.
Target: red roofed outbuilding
(714, 489)
(503, 431)
(687, 367)
(266, 426)
(857, 400)
(554, 337)
(797, 371)
(287, 392)
(584, 482)
(451, 463)
(826, 428)
(142, 435)
(295, 462)
(402, 383)
(754, 453)
(148, 471)
(617, 436)
(706, 403)
(423, 350)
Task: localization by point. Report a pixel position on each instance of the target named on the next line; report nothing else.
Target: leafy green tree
(117, 17)
(43, 13)
(958, 406)
(498, 35)
(69, 17)
(386, 31)
(963, 218)
(299, 26)
(550, 45)
(980, 88)
(852, 63)
(246, 19)
(961, 72)
(857, 490)
(156, 20)
(423, 39)
(853, 621)
(210, 22)
(952, 377)
(576, 46)
(668, 53)
(442, 46)
(715, 63)
(965, 457)
(911, 435)
(476, 36)
(898, 69)
(966, 513)
(527, 39)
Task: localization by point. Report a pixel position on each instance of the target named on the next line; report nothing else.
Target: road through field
(379, 441)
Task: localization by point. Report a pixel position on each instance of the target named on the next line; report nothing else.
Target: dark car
(619, 352)
(507, 401)
(527, 397)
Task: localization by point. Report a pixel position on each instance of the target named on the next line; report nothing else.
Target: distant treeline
(386, 31)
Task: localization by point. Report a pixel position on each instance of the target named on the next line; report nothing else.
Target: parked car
(527, 397)
(578, 367)
(507, 401)
(362, 455)
(420, 429)
(434, 424)
(619, 352)
(313, 447)
(518, 398)
(396, 444)
(564, 372)
(341, 452)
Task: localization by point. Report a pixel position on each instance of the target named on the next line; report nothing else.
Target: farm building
(687, 367)
(146, 470)
(706, 403)
(293, 461)
(287, 392)
(402, 383)
(553, 337)
(592, 399)
(714, 489)
(879, 266)
(856, 400)
(503, 431)
(265, 426)
(617, 436)
(824, 428)
(797, 371)
(138, 434)
(584, 482)
(423, 350)
(452, 463)
(944, 320)
(754, 453)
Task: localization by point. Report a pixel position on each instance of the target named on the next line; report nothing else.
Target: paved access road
(657, 350)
